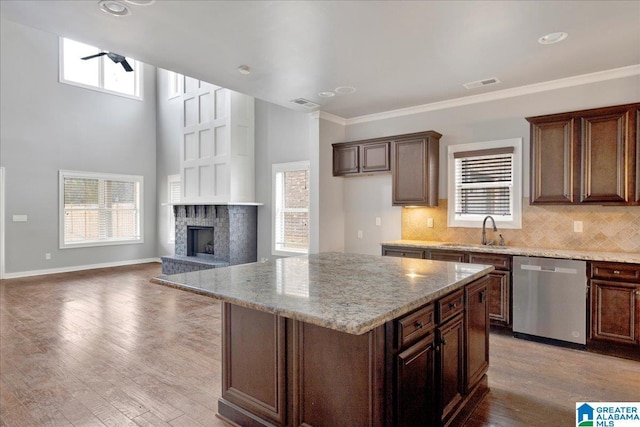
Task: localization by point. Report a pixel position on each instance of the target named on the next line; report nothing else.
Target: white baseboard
(78, 268)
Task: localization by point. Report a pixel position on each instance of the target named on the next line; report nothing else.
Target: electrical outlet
(359, 234)
(378, 221)
(577, 226)
(19, 218)
(430, 222)
(47, 256)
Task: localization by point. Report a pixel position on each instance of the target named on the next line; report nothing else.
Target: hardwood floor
(109, 348)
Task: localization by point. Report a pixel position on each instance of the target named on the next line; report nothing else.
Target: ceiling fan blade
(115, 57)
(126, 65)
(94, 56)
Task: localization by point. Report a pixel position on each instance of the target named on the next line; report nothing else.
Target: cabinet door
(415, 384)
(605, 148)
(450, 362)
(375, 157)
(414, 170)
(614, 312)
(345, 160)
(500, 297)
(554, 161)
(477, 332)
(637, 177)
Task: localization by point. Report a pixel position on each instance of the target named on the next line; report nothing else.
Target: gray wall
(282, 135)
(47, 126)
(368, 197)
(168, 137)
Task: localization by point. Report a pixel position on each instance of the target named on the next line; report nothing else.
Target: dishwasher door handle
(549, 269)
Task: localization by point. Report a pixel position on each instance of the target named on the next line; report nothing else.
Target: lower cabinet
(415, 384)
(438, 373)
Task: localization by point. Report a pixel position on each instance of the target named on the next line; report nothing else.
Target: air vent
(305, 103)
(480, 83)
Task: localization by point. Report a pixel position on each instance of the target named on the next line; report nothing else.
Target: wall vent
(480, 83)
(305, 103)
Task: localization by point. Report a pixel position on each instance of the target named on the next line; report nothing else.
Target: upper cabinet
(411, 158)
(361, 157)
(414, 168)
(586, 157)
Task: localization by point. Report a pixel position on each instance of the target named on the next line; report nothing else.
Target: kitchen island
(339, 339)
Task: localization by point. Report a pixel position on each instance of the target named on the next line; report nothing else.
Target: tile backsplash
(605, 228)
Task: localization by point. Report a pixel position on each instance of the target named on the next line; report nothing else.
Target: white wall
(282, 135)
(366, 197)
(47, 126)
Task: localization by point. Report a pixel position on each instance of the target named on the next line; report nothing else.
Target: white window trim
(115, 177)
(137, 67)
(275, 169)
(516, 223)
(171, 179)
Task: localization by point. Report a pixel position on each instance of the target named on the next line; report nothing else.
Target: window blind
(484, 182)
(99, 210)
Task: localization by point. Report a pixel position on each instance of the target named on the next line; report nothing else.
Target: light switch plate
(19, 218)
(577, 226)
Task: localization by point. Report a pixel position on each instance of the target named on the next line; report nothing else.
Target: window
(99, 209)
(99, 73)
(174, 81)
(291, 208)
(173, 197)
(485, 178)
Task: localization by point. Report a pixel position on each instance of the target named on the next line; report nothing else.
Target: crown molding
(329, 117)
(599, 76)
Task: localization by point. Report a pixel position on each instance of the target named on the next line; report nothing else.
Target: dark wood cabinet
(450, 359)
(637, 155)
(554, 151)
(615, 308)
(586, 157)
(441, 362)
(499, 285)
(346, 160)
(415, 384)
(414, 169)
(403, 252)
(361, 157)
(453, 256)
(477, 336)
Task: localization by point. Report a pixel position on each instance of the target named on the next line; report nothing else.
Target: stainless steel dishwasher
(550, 299)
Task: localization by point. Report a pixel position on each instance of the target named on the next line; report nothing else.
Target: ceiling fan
(118, 59)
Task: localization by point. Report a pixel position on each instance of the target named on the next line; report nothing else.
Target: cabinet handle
(401, 253)
(453, 305)
(616, 272)
(443, 341)
(419, 325)
(481, 296)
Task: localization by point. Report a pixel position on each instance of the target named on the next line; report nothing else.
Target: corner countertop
(626, 257)
(345, 292)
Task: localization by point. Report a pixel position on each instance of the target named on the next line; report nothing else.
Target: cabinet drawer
(416, 325)
(450, 305)
(611, 270)
(500, 262)
(452, 256)
(404, 252)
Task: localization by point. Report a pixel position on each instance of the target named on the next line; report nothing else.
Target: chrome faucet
(484, 229)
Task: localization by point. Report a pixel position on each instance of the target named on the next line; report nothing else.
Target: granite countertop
(344, 292)
(627, 257)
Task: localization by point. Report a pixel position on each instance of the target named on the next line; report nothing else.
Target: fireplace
(200, 241)
(212, 236)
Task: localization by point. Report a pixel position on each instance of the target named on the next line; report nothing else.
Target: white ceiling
(396, 54)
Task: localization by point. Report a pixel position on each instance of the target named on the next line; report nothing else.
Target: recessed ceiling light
(326, 94)
(345, 90)
(244, 69)
(113, 7)
(141, 2)
(552, 38)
